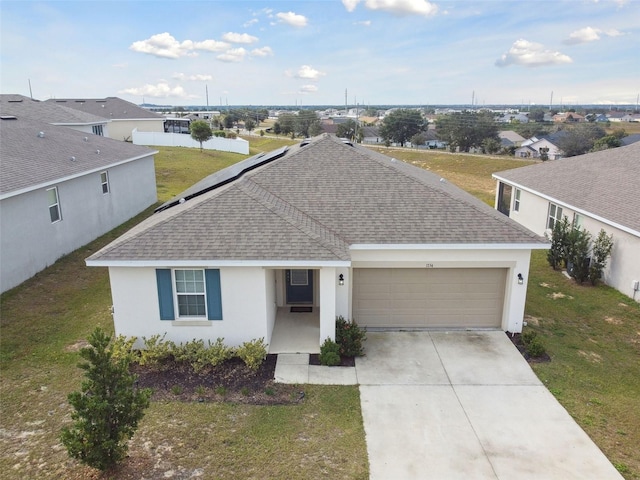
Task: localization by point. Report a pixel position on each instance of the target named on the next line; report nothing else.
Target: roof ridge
(295, 217)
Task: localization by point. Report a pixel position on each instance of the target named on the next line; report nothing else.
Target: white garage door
(420, 298)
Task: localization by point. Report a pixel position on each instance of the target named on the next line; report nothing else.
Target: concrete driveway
(466, 405)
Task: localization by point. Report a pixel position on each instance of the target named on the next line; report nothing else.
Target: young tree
(287, 123)
(305, 123)
(599, 255)
(347, 129)
(465, 130)
(200, 131)
(400, 125)
(557, 253)
(249, 124)
(108, 408)
(580, 138)
(578, 254)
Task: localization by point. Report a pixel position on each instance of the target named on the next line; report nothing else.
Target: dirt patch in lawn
(232, 381)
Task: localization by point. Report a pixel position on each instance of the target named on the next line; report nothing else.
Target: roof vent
(86, 139)
(347, 142)
(442, 180)
(73, 159)
(304, 142)
(40, 134)
(182, 200)
(8, 117)
(393, 160)
(98, 152)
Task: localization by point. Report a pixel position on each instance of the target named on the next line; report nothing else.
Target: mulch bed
(314, 359)
(516, 339)
(232, 381)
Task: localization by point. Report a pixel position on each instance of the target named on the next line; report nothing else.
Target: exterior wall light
(520, 279)
(341, 279)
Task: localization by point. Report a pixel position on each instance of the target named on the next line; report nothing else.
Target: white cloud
(166, 46)
(589, 34)
(531, 54)
(308, 89)
(292, 19)
(196, 78)
(396, 7)
(307, 72)
(262, 52)
(239, 38)
(364, 23)
(233, 55)
(160, 90)
(253, 21)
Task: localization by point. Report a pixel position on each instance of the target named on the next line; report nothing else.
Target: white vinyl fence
(235, 145)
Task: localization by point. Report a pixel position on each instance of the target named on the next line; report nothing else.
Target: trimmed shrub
(155, 352)
(253, 353)
(532, 344)
(194, 353)
(122, 348)
(349, 336)
(330, 353)
(218, 352)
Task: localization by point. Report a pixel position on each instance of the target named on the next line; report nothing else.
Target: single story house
(124, 117)
(594, 191)
(326, 226)
(61, 188)
(509, 138)
(535, 147)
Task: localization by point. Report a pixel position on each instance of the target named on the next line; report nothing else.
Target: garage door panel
(407, 298)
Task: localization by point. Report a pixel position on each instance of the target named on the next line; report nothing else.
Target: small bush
(194, 353)
(532, 344)
(253, 353)
(218, 352)
(330, 353)
(176, 390)
(200, 390)
(220, 390)
(269, 391)
(122, 349)
(349, 336)
(219, 133)
(244, 391)
(155, 352)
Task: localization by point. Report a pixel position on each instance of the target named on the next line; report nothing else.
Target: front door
(299, 284)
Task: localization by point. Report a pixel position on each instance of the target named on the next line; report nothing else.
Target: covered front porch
(296, 331)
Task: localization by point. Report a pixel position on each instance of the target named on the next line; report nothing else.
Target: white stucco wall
(30, 242)
(244, 307)
(624, 264)
(327, 283)
(514, 260)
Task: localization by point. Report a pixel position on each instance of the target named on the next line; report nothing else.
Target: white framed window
(190, 293)
(54, 205)
(104, 181)
(555, 215)
(577, 221)
(299, 277)
(516, 200)
(97, 130)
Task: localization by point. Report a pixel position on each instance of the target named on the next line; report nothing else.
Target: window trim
(177, 294)
(552, 219)
(56, 204)
(106, 189)
(97, 130)
(516, 200)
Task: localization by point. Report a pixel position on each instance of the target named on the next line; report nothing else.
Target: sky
(297, 53)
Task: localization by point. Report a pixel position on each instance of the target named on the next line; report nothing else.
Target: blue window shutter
(214, 295)
(165, 294)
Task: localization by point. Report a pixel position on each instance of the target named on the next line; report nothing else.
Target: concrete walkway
(458, 405)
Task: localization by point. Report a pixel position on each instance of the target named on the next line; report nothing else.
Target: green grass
(592, 335)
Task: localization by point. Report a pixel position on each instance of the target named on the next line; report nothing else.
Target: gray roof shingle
(29, 160)
(112, 108)
(605, 183)
(25, 107)
(312, 204)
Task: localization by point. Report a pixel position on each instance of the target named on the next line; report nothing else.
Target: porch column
(328, 282)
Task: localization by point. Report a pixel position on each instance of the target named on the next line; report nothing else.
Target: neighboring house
(513, 118)
(539, 147)
(568, 117)
(327, 225)
(615, 116)
(629, 139)
(124, 117)
(630, 117)
(509, 138)
(60, 189)
(595, 191)
(28, 108)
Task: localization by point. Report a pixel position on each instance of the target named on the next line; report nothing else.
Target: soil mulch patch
(232, 381)
(516, 339)
(314, 359)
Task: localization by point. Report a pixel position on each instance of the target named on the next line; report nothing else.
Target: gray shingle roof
(604, 183)
(312, 204)
(112, 108)
(29, 160)
(25, 107)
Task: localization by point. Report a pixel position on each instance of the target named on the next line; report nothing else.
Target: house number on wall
(429, 265)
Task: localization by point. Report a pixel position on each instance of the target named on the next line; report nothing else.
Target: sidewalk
(295, 368)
